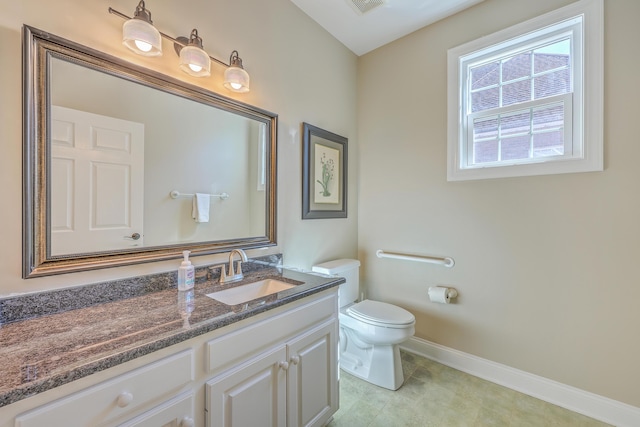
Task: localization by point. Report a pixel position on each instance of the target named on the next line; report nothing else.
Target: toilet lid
(381, 313)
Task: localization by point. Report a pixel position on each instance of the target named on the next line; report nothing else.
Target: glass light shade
(195, 61)
(236, 79)
(142, 37)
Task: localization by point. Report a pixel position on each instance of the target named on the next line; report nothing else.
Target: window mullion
(500, 84)
(531, 73)
(500, 134)
(532, 88)
(531, 133)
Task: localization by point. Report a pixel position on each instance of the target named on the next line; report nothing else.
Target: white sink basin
(250, 291)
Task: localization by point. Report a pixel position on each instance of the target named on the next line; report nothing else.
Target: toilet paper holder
(442, 294)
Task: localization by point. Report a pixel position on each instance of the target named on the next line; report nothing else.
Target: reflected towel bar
(175, 194)
(445, 261)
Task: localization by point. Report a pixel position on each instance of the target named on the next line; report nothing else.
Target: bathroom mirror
(114, 154)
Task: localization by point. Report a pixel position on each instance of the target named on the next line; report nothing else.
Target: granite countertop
(47, 351)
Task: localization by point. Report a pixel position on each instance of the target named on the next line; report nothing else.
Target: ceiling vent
(363, 6)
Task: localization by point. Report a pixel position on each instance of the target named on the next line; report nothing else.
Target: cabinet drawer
(105, 402)
(177, 412)
(231, 348)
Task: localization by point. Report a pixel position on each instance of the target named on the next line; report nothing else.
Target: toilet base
(378, 364)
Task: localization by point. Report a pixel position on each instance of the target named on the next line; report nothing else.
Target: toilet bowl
(370, 331)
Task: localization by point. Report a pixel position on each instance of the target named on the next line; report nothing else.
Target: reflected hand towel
(200, 211)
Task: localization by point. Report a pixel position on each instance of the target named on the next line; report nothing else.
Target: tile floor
(435, 395)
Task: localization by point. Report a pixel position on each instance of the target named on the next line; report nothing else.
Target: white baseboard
(592, 405)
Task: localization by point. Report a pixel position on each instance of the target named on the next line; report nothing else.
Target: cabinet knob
(187, 422)
(295, 360)
(124, 399)
(284, 365)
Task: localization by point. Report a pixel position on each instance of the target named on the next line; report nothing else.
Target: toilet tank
(347, 268)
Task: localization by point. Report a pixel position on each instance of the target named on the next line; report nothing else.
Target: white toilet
(370, 331)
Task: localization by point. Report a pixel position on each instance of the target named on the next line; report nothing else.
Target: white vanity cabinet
(285, 372)
(275, 368)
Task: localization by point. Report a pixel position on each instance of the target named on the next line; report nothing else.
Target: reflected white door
(97, 178)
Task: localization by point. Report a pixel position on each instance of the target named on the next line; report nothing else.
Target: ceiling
(382, 21)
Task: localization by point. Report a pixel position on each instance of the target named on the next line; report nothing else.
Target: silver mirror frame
(38, 49)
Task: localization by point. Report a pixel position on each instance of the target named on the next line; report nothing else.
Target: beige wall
(546, 266)
(297, 71)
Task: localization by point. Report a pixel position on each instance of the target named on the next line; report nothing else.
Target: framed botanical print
(324, 174)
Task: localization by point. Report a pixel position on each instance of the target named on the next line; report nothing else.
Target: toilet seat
(381, 314)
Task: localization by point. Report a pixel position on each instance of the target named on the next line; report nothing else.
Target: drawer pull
(284, 365)
(124, 399)
(187, 422)
(295, 360)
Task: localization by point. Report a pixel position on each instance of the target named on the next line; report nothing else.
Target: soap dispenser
(186, 273)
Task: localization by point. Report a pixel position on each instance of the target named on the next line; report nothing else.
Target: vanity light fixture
(139, 35)
(235, 77)
(193, 59)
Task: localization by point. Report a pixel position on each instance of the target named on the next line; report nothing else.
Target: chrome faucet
(234, 275)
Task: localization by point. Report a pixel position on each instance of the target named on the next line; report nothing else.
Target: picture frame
(324, 174)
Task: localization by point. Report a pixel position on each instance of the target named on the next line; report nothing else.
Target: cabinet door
(312, 394)
(250, 394)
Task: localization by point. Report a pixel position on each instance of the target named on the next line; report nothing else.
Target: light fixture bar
(168, 37)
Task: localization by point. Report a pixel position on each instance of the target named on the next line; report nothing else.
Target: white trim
(592, 405)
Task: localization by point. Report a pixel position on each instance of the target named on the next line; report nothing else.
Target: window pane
(554, 83)
(485, 128)
(485, 75)
(553, 56)
(516, 148)
(548, 144)
(515, 124)
(516, 67)
(548, 117)
(513, 93)
(486, 151)
(485, 99)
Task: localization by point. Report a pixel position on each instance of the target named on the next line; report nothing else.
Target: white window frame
(583, 108)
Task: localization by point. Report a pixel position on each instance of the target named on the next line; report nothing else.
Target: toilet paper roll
(441, 294)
